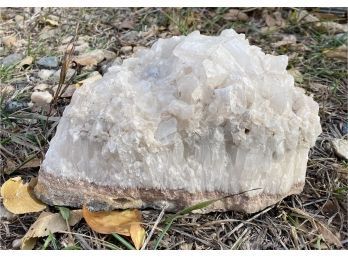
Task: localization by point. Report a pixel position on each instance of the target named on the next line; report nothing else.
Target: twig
(159, 218)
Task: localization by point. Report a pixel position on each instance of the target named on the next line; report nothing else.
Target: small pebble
(48, 62)
(41, 98)
(69, 74)
(340, 147)
(126, 49)
(45, 74)
(16, 244)
(13, 106)
(11, 59)
(41, 87)
(5, 214)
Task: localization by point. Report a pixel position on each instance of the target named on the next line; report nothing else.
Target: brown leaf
(107, 222)
(48, 223)
(126, 24)
(286, 40)
(321, 228)
(328, 236)
(12, 166)
(337, 53)
(235, 15)
(18, 197)
(269, 20)
(9, 41)
(137, 233)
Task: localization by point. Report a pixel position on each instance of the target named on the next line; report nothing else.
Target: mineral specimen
(192, 118)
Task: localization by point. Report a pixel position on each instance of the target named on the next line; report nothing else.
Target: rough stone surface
(193, 118)
(48, 62)
(11, 59)
(340, 147)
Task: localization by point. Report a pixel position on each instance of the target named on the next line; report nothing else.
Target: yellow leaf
(137, 233)
(51, 22)
(48, 223)
(107, 222)
(18, 197)
(26, 61)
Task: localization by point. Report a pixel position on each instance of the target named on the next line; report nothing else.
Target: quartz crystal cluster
(192, 118)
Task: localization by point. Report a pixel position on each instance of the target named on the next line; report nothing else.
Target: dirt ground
(315, 41)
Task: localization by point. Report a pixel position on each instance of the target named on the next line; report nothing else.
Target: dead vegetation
(316, 43)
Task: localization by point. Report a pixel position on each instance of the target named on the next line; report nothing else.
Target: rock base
(64, 192)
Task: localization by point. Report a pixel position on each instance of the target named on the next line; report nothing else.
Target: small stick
(159, 218)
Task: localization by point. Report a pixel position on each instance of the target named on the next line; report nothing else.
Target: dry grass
(25, 132)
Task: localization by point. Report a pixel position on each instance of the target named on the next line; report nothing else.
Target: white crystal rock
(193, 117)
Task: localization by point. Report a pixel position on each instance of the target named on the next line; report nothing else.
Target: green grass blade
(123, 241)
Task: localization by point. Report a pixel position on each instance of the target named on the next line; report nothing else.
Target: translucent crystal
(200, 115)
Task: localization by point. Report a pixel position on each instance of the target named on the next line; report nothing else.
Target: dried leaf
(305, 16)
(9, 41)
(235, 15)
(337, 53)
(328, 236)
(286, 40)
(137, 233)
(11, 166)
(269, 20)
(51, 22)
(18, 197)
(26, 61)
(107, 222)
(48, 223)
(332, 27)
(126, 24)
(322, 228)
(296, 74)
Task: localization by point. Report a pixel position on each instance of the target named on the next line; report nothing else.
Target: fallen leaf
(303, 15)
(137, 233)
(286, 40)
(50, 22)
(296, 74)
(337, 53)
(107, 222)
(235, 15)
(48, 223)
(12, 166)
(321, 228)
(270, 21)
(328, 236)
(6, 89)
(332, 27)
(126, 24)
(9, 41)
(18, 197)
(26, 62)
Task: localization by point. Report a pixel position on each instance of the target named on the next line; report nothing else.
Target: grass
(25, 132)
